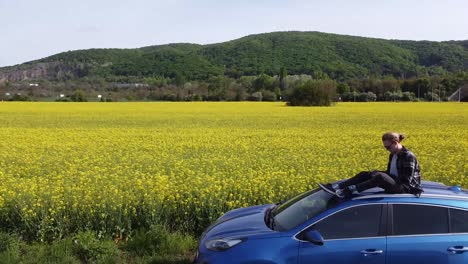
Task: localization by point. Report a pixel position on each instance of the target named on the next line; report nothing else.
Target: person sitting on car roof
(403, 174)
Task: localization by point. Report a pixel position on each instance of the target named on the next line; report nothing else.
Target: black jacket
(409, 172)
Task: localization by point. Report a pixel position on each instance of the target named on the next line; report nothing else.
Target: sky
(31, 29)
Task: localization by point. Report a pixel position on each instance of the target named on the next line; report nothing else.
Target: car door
(353, 235)
(427, 234)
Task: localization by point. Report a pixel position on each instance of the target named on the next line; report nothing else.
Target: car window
(411, 219)
(459, 221)
(356, 222)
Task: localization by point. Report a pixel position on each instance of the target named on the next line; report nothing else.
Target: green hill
(341, 57)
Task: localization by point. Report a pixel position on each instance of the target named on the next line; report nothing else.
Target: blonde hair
(393, 136)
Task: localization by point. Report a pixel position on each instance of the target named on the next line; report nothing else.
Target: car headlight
(222, 244)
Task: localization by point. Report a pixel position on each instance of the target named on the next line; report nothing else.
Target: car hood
(243, 222)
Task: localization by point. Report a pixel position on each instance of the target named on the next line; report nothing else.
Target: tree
(240, 94)
(179, 79)
(320, 75)
(268, 96)
(342, 88)
(257, 96)
(283, 74)
(423, 86)
(313, 93)
(407, 96)
(264, 82)
(367, 97)
(79, 96)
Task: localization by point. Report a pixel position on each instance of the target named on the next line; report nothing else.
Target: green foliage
(263, 82)
(62, 100)
(282, 76)
(367, 97)
(19, 97)
(87, 247)
(350, 96)
(158, 241)
(256, 96)
(342, 88)
(321, 55)
(156, 245)
(313, 93)
(449, 56)
(59, 251)
(269, 96)
(79, 96)
(9, 248)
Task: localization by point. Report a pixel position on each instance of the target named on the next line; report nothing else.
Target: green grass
(156, 245)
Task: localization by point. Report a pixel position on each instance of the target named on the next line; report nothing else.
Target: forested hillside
(340, 57)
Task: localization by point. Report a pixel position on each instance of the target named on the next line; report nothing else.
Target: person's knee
(377, 175)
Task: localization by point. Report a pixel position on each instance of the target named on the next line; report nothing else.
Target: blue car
(373, 227)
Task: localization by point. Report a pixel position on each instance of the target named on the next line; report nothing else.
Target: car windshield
(301, 208)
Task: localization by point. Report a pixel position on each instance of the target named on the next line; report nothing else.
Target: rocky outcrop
(20, 73)
(42, 70)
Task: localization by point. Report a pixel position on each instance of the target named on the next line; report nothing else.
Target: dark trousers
(370, 179)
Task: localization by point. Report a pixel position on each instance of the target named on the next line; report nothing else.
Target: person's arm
(407, 169)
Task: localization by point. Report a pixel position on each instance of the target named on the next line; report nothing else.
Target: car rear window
(459, 221)
(409, 219)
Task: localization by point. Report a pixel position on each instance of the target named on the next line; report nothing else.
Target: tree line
(263, 87)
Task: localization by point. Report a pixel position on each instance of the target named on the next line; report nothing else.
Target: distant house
(34, 84)
(461, 94)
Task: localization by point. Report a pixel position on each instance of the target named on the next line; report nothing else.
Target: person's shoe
(345, 193)
(328, 188)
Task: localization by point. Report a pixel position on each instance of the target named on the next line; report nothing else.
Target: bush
(268, 96)
(62, 100)
(313, 93)
(367, 97)
(257, 96)
(343, 88)
(78, 96)
(158, 241)
(19, 97)
(130, 98)
(88, 248)
(8, 241)
(59, 251)
(196, 97)
(408, 96)
(392, 96)
(9, 248)
(350, 96)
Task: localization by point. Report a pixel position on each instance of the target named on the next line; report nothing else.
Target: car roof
(431, 190)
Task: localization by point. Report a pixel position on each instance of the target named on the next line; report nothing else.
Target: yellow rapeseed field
(114, 167)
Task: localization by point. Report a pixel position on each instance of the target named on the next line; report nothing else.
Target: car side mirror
(313, 236)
